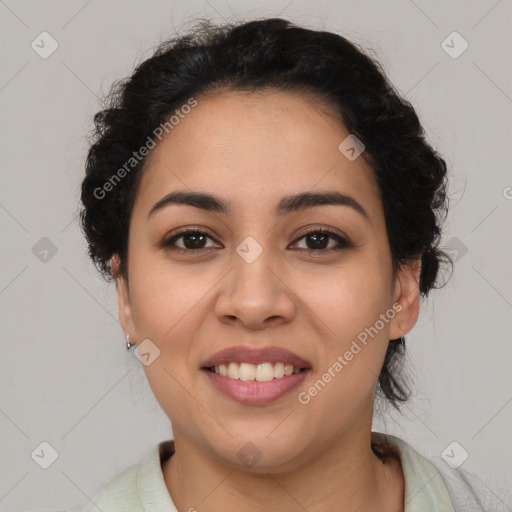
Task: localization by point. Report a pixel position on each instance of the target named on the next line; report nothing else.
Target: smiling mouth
(263, 372)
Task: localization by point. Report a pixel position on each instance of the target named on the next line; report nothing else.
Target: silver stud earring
(128, 344)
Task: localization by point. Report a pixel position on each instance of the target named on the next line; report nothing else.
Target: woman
(270, 211)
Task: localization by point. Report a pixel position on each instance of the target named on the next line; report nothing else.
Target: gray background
(65, 375)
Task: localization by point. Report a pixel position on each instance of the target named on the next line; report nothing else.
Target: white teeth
(233, 371)
(247, 371)
(261, 372)
(264, 372)
(278, 370)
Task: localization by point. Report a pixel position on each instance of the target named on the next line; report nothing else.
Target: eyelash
(343, 242)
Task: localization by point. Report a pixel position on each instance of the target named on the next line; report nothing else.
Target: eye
(192, 240)
(320, 238)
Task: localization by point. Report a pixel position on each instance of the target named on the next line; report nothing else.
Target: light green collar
(425, 490)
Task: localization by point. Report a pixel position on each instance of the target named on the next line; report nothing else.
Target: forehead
(255, 147)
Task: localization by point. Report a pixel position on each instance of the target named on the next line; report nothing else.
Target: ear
(123, 299)
(407, 296)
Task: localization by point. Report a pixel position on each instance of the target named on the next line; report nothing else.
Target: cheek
(168, 308)
(343, 384)
(168, 303)
(350, 303)
(350, 298)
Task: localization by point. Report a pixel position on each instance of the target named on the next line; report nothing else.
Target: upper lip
(253, 355)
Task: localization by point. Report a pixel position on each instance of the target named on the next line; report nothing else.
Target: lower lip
(254, 392)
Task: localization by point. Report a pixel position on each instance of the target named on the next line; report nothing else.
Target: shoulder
(432, 480)
(470, 493)
(120, 493)
(138, 487)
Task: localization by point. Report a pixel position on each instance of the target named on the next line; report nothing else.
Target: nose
(256, 293)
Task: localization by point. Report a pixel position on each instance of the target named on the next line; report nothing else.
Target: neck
(346, 476)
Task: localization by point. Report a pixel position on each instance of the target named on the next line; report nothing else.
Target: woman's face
(255, 282)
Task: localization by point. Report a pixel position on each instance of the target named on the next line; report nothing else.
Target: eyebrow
(287, 204)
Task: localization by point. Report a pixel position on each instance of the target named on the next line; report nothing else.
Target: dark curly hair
(256, 55)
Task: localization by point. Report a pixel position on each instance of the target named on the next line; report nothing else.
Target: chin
(261, 452)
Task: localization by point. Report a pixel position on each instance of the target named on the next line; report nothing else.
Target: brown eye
(317, 240)
(192, 240)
